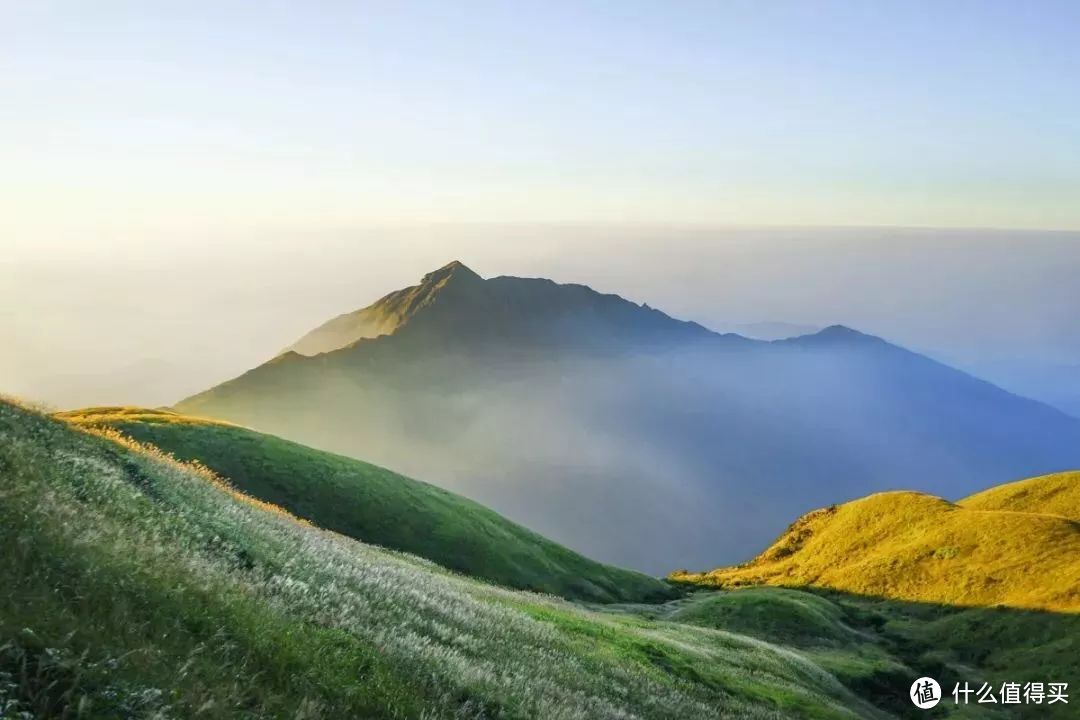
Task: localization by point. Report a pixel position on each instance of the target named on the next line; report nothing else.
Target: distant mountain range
(1056, 384)
(634, 437)
(769, 330)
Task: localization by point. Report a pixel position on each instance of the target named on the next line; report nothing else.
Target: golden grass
(112, 414)
(194, 466)
(1057, 494)
(916, 547)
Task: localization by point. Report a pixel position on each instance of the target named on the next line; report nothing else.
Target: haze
(187, 188)
(148, 324)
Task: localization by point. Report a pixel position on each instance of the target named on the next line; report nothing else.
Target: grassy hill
(377, 506)
(876, 647)
(916, 547)
(133, 585)
(1057, 494)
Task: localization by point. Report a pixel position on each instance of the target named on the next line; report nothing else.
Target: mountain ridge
(384, 316)
(584, 415)
(454, 296)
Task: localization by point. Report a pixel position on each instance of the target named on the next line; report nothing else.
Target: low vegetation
(139, 584)
(377, 506)
(1057, 494)
(876, 647)
(131, 586)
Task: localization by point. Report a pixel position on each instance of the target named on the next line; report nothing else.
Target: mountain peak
(454, 269)
(393, 311)
(834, 334)
(840, 331)
(454, 307)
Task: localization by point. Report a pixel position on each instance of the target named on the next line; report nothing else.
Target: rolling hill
(377, 506)
(134, 585)
(625, 434)
(877, 646)
(1012, 545)
(1057, 494)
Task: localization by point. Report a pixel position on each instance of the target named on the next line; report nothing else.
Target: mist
(148, 319)
(652, 463)
(690, 457)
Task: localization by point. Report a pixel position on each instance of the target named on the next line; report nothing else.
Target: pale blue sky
(199, 183)
(125, 119)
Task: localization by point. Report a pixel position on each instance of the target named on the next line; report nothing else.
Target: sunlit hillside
(132, 587)
(377, 506)
(1057, 494)
(136, 585)
(916, 547)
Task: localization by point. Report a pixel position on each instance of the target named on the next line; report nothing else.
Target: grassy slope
(1057, 494)
(135, 586)
(850, 574)
(910, 546)
(379, 507)
(877, 647)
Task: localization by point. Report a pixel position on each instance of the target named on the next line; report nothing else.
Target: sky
(130, 118)
(186, 187)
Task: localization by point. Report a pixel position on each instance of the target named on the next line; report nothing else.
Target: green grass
(876, 646)
(789, 617)
(135, 586)
(978, 644)
(380, 507)
(899, 585)
(102, 616)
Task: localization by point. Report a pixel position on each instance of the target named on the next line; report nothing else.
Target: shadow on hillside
(878, 646)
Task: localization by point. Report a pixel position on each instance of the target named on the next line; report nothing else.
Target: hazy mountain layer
(633, 437)
(770, 330)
